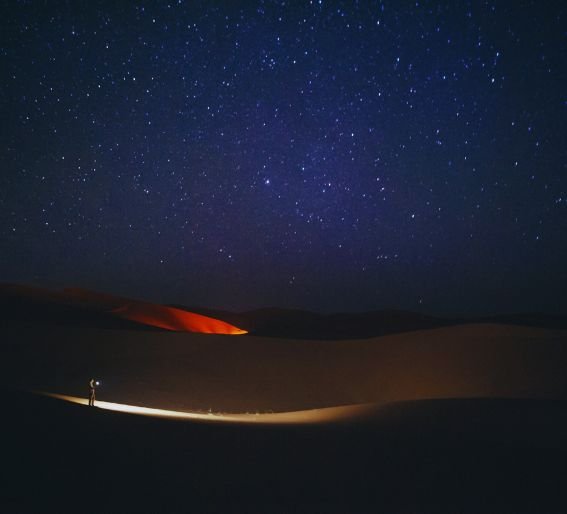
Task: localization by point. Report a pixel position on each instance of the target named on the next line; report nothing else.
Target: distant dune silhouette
(80, 307)
(301, 324)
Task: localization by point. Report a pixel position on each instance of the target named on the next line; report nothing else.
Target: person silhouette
(92, 392)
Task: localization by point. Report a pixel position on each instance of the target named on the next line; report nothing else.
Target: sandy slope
(32, 306)
(308, 417)
(438, 456)
(191, 372)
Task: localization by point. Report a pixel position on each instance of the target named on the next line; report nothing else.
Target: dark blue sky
(323, 155)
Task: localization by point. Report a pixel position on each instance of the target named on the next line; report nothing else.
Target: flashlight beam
(311, 416)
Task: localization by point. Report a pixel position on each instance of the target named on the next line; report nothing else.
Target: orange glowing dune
(154, 315)
(171, 318)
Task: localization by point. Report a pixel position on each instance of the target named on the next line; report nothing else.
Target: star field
(318, 154)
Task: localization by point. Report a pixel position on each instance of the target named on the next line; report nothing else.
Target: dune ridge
(306, 416)
(81, 306)
(191, 372)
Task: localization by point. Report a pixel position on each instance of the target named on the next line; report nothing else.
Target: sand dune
(36, 306)
(310, 416)
(185, 371)
(539, 423)
(154, 315)
(301, 324)
(330, 426)
(192, 372)
(33, 306)
(170, 318)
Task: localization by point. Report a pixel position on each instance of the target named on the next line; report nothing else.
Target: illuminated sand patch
(311, 416)
(152, 314)
(170, 318)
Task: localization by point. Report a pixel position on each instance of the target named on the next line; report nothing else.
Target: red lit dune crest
(170, 318)
(144, 313)
(154, 315)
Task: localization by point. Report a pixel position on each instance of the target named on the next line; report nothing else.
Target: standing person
(92, 391)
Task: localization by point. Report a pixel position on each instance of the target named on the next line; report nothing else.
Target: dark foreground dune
(466, 456)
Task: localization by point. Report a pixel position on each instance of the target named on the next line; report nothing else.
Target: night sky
(322, 155)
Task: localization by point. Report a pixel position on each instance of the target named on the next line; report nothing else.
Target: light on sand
(311, 416)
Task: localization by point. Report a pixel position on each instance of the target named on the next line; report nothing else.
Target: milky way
(323, 155)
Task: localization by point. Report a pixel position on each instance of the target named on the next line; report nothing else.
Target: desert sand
(462, 418)
(192, 372)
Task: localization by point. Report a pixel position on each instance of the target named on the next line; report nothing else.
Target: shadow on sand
(427, 456)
